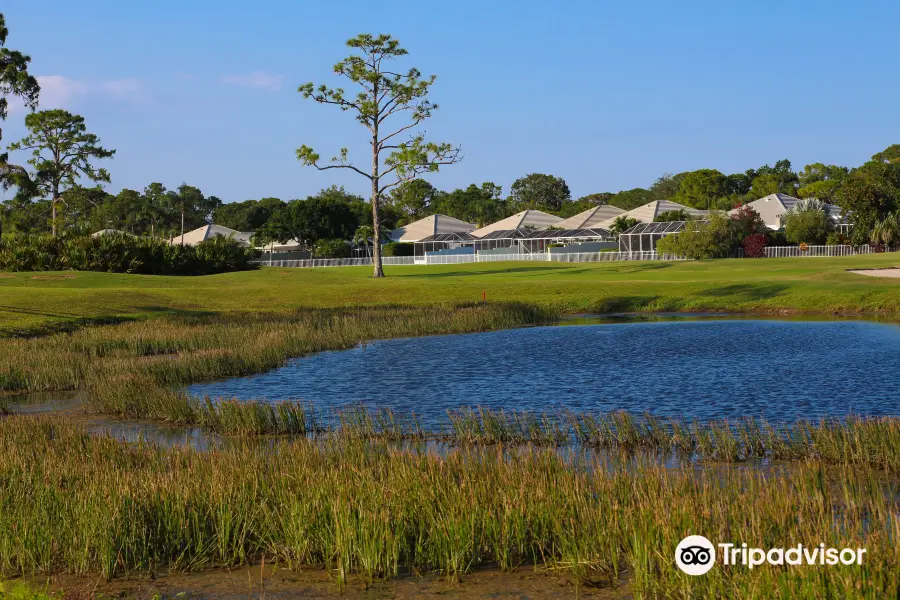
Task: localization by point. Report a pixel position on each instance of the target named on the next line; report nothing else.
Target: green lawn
(31, 302)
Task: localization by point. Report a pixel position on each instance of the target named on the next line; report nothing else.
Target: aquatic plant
(71, 502)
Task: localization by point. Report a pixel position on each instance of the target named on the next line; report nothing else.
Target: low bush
(331, 249)
(837, 239)
(123, 254)
(755, 245)
(397, 249)
(699, 240)
(809, 226)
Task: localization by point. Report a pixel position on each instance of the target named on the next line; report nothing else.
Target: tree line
(59, 190)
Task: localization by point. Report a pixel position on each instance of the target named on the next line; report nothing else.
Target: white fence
(456, 259)
(798, 251)
(581, 257)
(337, 262)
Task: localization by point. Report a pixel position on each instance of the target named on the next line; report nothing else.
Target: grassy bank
(75, 503)
(40, 302)
(177, 350)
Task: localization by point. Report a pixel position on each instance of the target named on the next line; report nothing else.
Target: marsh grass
(366, 510)
(180, 350)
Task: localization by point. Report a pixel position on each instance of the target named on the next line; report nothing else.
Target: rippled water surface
(705, 369)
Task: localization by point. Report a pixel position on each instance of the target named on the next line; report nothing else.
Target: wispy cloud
(257, 79)
(122, 88)
(58, 91)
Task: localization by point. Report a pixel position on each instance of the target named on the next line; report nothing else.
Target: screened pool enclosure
(507, 241)
(643, 237)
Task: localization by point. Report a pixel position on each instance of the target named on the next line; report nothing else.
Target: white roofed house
(527, 219)
(773, 207)
(194, 237)
(591, 218)
(433, 225)
(647, 213)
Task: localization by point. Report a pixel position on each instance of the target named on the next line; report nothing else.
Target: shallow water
(705, 369)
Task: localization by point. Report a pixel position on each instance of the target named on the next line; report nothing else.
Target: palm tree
(363, 237)
(887, 230)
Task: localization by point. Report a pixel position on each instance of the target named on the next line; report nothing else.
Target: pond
(703, 369)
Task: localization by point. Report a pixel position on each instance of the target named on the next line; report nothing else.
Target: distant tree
(821, 181)
(153, 207)
(249, 215)
(739, 184)
(538, 191)
(479, 205)
(628, 199)
(582, 204)
(701, 189)
(666, 186)
(771, 180)
(868, 194)
(328, 215)
(191, 207)
(596, 199)
(891, 154)
(384, 94)
(622, 224)
(673, 215)
(412, 199)
(62, 152)
(15, 81)
(87, 209)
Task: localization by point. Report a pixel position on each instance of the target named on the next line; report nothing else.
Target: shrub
(837, 239)
(397, 249)
(810, 226)
(331, 249)
(746, 222)
(622, 224)
(699, 239)
(123, 254)
(755, 245)
(673, 215)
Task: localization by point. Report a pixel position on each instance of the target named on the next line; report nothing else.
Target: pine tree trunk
(377, 270)
(53, 204)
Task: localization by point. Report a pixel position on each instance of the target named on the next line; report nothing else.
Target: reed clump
(174, 351)
(367, 510)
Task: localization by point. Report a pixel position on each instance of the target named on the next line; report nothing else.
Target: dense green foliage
(700, 239)
(869, 192)
(63, 153)
(398, 249)
(331, 248)
(117, 253)
(808, 226)
(673, 215)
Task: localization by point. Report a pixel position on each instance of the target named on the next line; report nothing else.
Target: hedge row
(120, 253)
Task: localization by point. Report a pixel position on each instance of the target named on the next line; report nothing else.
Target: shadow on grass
(624, 304)
(37, 313)
(528, 269)
(744, 292)
(639, 268)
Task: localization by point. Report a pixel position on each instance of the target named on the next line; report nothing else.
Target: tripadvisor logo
(696, 555)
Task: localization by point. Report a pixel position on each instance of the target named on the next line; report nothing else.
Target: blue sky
(608, 95)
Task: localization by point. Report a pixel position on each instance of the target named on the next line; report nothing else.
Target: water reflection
(700, 368)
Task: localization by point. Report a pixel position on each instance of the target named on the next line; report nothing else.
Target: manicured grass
(31, 302)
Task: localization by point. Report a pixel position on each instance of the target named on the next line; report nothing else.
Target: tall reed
(86, 505)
